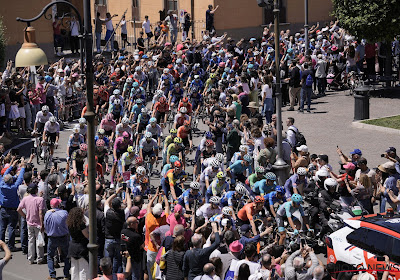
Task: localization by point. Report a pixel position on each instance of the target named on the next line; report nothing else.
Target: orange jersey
(247, 212)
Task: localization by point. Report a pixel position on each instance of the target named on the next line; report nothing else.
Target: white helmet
(227, 211)
(129, 80)
(53, 119)
(116, 91)
(330, 182)
(215, 163)
(82, 120)
(220, 157)
(183, 110)
(243, 148)
(125, 120)
(76, 130)
(166, 71)
(160, 92)
(144, 110)
(215, 200)
(321, 173)
(240, 188)
(141, 170)
(45, 108)
(195, 185)
(148, 135)
(301, 171)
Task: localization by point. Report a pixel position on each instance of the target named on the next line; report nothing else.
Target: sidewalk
(330, 125)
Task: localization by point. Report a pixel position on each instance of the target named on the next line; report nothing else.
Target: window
(101, 2)
(172, 5)
(372, 241)
(63, 9)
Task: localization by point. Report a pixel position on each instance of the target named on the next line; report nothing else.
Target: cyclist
(232, 197)
(109, 126)
(197, 82)
(196, 100)
(208, 175)
(136, 181)
(243, 150)
(117, 110)
(148, 148)
(170, 138)
(245, 214)
(123, 126)
(127, 87)
(172, 179)
(208, 152)
(100, 136)
(159, 94)
(181, 117)
(236, 171)
(142, 121)
(285, 212)
(175, 148)
(120, 146)
(136, 110)
(175, 95)
(75, 139)
(155, 130)
(127, 159)
(255, 177)
(210, 209)
(160, 111)
(41, 118)
(185, 133)
(51, 134)
(115, 96)
(78, 159)
(191, 195)
(207, 136)
(266, 185)
(169, 165)
(101, 152)
(296, 183)
(225, 219)
(185, 103)
(276, 196)
(217, 187)
(220, 157)
(82, 127)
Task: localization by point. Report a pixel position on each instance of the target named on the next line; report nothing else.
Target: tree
(3, 42)
(374, 20)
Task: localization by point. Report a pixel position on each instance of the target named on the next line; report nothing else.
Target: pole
(134, 32)
(89, 115)
(192, 17)
(281, 168)
(306, 26)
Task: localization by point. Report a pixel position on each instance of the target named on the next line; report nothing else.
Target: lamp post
(306, 26)
(281, 167)
(31, 55)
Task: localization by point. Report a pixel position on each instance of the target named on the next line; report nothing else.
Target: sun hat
(236, 246)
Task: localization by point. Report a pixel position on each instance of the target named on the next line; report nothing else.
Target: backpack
(309, 80)
(300, 139)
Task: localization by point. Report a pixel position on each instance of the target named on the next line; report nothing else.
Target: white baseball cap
(302, 148)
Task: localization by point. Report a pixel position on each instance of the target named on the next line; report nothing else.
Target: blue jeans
(52, 245)
(305, 91)
(112, 249)
(136, 270)
(174, 34)
(8, 219)
(24, 235)
(110, 39)
(98, 41)
(268, 109)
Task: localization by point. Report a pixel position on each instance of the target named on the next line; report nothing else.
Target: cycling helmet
(166, 71)
(160, 92)
(259, 199)
(138, 68)
(227, 211)
(221, 64)
(129, 80)
(220, 157)
(177, 85)
(82, 120)
(301, 171)
(296, 198)
(148, 135)
(116, 91)
(45, 108)
(185, 100)
(196, 77)
(109, 117)
(144, 110)
(125, 120)
(330, 182)
(162, 99)
(173, 158)
(130, 149)
(280, 189)
(83, 147)
(321, 173)
(195, 185)
(76, 130)
(240, 188)
(260, 170)
(183, 110)
(125, 134)
(141, 170)
(179, 60)
(139, 101)
(117, 102)
(212, 75)
(209, 135)
(135, 84)
(270, 176)
(247, 158)
(100, 143)
(170, 66)
(221, 175)
(178, 140)
(186, 123)
(209, 143)
(243, 148)
(101, 131)
(173, 131)
(215, 200)
(215, 163)
(178, 163)
(138, 160)
(153, 120)
(52, 119)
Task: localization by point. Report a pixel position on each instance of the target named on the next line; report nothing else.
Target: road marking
(19, 145)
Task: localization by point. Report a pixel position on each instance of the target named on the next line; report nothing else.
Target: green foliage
(374, 20)
(3, 42)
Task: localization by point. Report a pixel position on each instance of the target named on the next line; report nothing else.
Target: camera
(383, 155)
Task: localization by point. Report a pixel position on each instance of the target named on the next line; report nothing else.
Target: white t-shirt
(109, 25)
(252, 265)
(52, 128)
(146, 26)
(42, 118)
(266, 91)
(74, 28)
(123, 27)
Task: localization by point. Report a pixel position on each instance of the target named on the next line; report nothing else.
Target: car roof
(381, 222)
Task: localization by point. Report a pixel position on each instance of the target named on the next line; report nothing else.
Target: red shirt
(162, 108)
(188, 107)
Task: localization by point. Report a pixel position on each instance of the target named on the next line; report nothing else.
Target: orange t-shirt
(247, 212)
(182, 132)
(151, 224)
